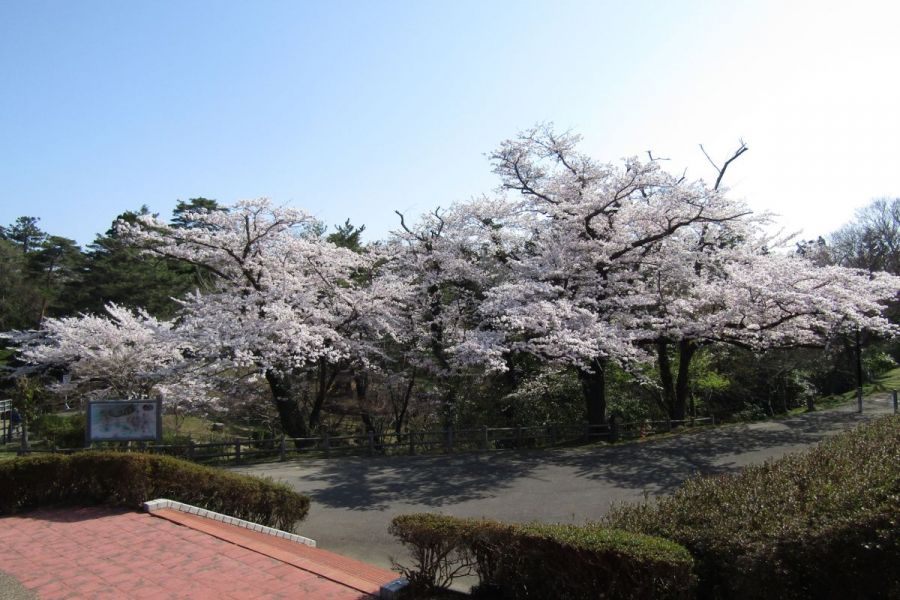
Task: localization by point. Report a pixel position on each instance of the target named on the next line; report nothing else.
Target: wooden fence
(407, 443)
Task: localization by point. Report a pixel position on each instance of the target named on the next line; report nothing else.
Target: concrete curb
(162, 503)
(393, 589)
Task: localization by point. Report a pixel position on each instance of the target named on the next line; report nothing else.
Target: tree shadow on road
(655, 466)
(661, 466)
(433, 481)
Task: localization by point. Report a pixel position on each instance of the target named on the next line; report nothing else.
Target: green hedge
(128, 479)
(824, 523)
(538, 561)
(60, 431)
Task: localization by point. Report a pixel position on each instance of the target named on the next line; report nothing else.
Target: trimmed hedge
(129, 479)
(823, 523)
(539, 561)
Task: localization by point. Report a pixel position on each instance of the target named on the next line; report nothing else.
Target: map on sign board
(124, 420)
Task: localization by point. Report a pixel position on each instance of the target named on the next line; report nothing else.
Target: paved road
(354, 499)
(12, 589)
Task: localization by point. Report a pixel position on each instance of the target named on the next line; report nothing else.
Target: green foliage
(706, 381)
(181, 218)
(542, 561)
(25, 234)
(877, 363)
(542, 397)
(14, 288)
(347, 236)
(630, 410)
(27, 395)
(34, 271)
(60, 431)
(119, 272)
(760, 383)
(818, 524)
(128, 479)
(53, 267)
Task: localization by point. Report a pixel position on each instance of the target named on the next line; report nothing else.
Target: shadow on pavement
(657, 466)
(663, 465)
(434, 481)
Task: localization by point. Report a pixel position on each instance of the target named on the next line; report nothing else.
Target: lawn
(884, 383)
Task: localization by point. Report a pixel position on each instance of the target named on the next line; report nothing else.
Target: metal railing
(374, 443)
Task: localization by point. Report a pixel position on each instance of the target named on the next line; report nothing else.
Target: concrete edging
(162, 503)
(393, 589)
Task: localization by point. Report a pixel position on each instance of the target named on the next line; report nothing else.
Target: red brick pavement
(347, 571)
(107, 553)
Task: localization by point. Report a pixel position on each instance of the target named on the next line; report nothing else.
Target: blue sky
(355, 109)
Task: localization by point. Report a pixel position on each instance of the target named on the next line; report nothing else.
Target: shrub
(818, 524)
(60, 431)
(438, 545)
(542, 561)
(128, 479)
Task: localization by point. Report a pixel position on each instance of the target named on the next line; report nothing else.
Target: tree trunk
(675, 387)
(400, 411)
(686, 351)
(324, 380)
(593, 385)
(359, 383)
(666, 377)
(293, 423)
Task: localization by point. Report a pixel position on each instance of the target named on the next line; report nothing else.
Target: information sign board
(124, 420)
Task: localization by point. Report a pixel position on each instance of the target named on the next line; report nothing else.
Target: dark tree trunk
(686, 351)
(324, 380)
(359, 383)
(666, 377)
(593, 385)
(401, 410)
(293, 423)
(675, 387)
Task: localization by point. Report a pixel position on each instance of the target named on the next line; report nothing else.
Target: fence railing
(391, 443)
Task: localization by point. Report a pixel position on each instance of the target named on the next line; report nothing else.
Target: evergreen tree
(121, 273)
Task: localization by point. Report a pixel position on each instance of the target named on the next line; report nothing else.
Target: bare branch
(715, 166)
(437, 215)
(734, 156)
(407, 229)
(721, 170)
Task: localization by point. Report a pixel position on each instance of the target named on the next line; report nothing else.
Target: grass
(884, 383)
(199, 429)
(194, 427)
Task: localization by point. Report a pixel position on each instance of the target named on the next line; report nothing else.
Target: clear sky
(355, 109)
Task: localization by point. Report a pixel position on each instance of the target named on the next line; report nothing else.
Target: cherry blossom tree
(596, 224)
(625, 259)
(285, 303)
(577, 264)
(121, 355)
(451, 259)
(748, 296)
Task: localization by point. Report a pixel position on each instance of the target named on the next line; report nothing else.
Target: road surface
(354, 499)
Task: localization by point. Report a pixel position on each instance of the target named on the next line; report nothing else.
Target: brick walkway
(107, 553)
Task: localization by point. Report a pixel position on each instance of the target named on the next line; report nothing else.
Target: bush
(877, 363)
(542, 561)
(60, 431)
(128, 479)
(818, 524)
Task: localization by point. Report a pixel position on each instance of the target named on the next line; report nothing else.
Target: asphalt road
(354, 499)
(12, 589)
